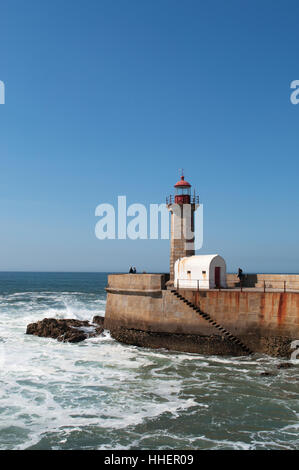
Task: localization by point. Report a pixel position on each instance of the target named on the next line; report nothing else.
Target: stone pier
(140, 310)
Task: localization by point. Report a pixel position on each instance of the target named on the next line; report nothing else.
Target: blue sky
(108, 98)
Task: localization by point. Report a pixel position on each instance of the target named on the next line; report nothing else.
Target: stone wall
(143, 282)
(138, 306)
(261, 320)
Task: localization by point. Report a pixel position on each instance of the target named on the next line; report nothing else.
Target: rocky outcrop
(69, 330)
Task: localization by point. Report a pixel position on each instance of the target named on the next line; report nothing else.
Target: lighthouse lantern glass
(182, 191)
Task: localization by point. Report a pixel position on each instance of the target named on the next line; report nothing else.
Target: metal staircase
(209, 319)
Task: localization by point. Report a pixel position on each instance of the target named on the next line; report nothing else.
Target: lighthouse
(182, 207)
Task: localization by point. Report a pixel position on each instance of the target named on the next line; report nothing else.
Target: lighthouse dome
(182, 183)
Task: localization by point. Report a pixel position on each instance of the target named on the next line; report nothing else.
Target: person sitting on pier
(134, 270)
(131, 271)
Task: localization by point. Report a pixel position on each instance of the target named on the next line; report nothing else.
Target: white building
(200, 272)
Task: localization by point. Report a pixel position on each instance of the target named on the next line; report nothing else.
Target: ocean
(100, 394)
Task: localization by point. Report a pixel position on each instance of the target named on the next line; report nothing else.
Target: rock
(285, 365)
(70, 331)
(98, 320)
(267, 374)
(99, 330)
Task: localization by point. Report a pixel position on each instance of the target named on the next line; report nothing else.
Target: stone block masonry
(141, 311)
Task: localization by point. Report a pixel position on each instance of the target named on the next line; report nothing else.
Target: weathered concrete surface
(265, 322)
(213, 344)
(143, 282)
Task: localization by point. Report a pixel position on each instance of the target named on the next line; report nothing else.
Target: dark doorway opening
(217, 277)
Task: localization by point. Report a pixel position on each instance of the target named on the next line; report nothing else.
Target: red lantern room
(182, 192)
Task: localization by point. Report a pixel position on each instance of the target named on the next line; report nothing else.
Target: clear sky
(112, 97)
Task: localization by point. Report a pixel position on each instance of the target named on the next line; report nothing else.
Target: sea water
(100, 394)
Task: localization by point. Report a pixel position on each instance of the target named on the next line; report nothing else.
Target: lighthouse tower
(182, 207)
